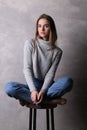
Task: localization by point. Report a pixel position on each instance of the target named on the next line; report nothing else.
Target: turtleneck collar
(44, 44)
(43, 41)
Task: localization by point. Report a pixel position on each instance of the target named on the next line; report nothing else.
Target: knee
(68, 82)
(65, 82)
(9, 88)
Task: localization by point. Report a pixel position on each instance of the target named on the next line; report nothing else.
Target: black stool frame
(33, 115)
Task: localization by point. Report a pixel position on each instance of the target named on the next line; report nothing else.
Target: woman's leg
(21, 91)
(18, 91)
(60, 87)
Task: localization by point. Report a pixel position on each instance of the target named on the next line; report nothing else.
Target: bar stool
(49, 106)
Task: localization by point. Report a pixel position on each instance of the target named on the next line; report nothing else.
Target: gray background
(17, 23)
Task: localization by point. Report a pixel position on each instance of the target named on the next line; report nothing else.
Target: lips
(42, 32)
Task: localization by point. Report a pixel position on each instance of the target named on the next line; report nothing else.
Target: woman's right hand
(34, 96)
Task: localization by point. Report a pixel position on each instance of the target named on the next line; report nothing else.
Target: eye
(39, 26)
(47, 26)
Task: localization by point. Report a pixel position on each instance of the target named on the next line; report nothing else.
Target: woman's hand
(40, 97)
(34, 96)
(37, 97)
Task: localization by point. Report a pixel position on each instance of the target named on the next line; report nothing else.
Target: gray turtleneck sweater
(40, 62)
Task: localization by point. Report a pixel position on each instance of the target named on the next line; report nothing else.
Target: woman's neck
(45, 38)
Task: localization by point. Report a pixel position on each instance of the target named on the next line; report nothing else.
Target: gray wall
(17, 22)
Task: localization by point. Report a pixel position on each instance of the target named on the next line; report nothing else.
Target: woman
(41, 59)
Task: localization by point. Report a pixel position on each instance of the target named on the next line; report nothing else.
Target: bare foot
(22, 103)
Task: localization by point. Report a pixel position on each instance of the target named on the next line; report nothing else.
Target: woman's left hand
(40, 97)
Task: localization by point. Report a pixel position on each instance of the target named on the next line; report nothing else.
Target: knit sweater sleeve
(28, 72)
(51, 72)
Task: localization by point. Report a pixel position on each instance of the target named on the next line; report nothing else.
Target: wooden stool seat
(49, 105)
(52, 103)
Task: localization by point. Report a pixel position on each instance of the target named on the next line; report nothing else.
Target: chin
(42, 36)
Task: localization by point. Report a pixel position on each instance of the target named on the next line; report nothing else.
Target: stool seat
(52, 103)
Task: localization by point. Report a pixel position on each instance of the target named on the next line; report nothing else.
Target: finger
(34, 100)
(39, 96)
(40, 100)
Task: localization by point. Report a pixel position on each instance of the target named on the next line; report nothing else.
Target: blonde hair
(53, 32)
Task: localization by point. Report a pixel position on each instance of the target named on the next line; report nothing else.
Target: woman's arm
(28, 72)
(51, 72)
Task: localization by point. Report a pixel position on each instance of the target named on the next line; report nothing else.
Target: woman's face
(43, 29)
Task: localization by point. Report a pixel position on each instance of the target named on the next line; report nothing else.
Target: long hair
(53, 32)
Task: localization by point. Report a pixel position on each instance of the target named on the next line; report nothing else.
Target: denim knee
(68, 81)
(60, 87)
(9, 88)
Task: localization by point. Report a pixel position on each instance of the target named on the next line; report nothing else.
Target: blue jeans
(22, 92)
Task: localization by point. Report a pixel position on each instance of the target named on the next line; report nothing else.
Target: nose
(42, 28)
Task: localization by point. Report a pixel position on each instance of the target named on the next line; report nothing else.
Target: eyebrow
(44, 24)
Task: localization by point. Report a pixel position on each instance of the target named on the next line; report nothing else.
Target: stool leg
(30, 119)
(52, 118)
(34, 119)
(47, 118)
